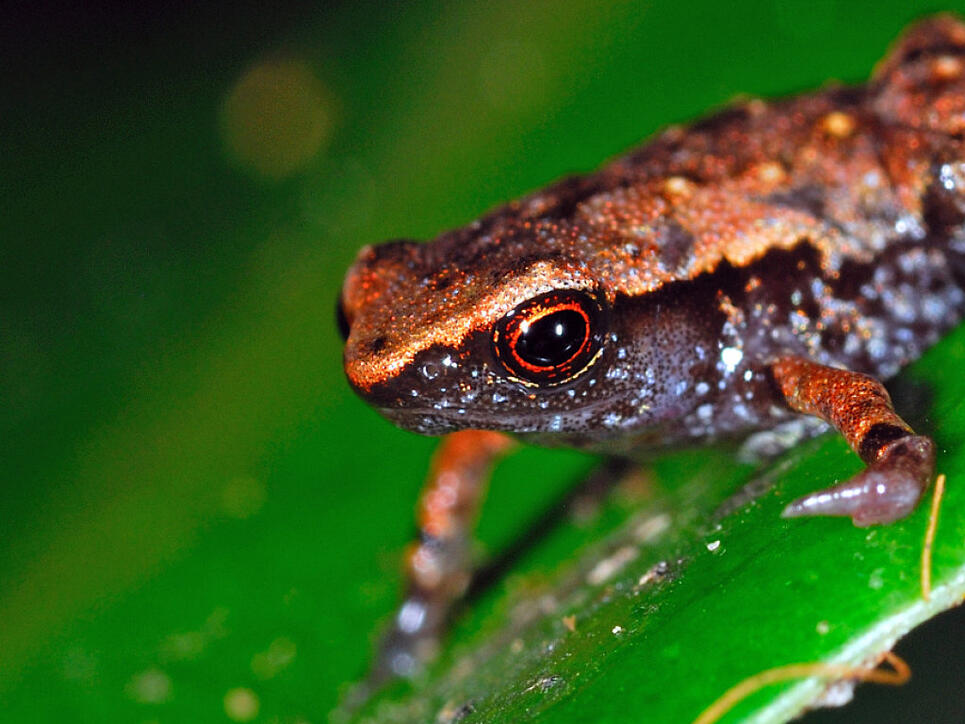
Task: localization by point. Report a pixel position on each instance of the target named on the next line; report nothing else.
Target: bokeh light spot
(241, 704)
(243, 497)
(276, 117)
(152, 686)
(512, 76)
(280, 653)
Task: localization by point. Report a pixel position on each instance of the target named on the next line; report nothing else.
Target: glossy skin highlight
(766, 266)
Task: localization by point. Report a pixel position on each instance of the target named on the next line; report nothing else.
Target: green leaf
(690, 595)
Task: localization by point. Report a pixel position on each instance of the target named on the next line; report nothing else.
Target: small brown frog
(763, 268)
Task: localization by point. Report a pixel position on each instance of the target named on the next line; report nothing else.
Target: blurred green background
(199, 519)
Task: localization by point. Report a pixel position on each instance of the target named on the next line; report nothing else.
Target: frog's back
(851, 170)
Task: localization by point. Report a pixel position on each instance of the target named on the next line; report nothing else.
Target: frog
(760, 271)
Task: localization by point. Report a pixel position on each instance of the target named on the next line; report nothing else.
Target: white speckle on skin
(731, 357)
(903, 334)
(934, 308)
(740, 409)
(702, 388)
(705, 413)
(612, 419)
(411, 616)
(617, 373)
(799, 321)
(947, 177)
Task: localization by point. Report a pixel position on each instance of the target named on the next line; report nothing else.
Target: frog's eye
(550, 339)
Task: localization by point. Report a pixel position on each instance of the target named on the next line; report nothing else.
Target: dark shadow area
(590, 489)
(913, 399)
(935, 651)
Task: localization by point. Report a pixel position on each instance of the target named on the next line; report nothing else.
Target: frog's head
(521, 331)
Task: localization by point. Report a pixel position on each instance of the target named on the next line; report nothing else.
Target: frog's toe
(887, 490)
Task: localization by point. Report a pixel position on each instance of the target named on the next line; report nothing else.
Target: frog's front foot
(438, 565)
(887, 490)
(405, 648)
(412, 639)
(900, 463)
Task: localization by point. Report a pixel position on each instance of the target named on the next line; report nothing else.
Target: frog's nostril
(341, 321)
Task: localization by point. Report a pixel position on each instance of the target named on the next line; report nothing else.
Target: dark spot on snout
(443, 282)
(378, 344)
(396, 250)
(676, 245)
(809, 199)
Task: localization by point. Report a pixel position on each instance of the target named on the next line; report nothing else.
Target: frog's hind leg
(900, 463)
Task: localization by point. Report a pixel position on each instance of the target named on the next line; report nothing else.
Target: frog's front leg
(900, 463)
(438, 564)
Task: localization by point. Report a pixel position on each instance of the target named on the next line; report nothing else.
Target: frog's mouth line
(436, 422)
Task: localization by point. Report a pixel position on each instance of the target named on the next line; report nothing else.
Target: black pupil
(553, 339)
